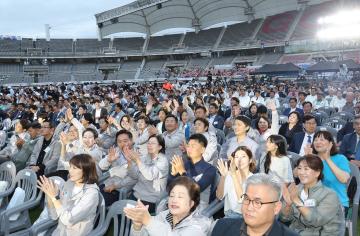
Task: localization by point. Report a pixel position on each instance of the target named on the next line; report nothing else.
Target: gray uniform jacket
(51, 157)
(195, 224)
(325, 217)
(172, 143)
(23, 155)
(78, 211)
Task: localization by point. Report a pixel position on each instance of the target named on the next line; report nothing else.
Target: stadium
(183, 117)
(271, 32)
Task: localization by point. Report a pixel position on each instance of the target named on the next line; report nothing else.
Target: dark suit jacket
(218, 122)
(287, 111)
(230, 227)
(296, 142)
(103, 113)
(348, 144)
(347, 129)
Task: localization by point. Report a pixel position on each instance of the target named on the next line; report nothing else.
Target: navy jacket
(236, 226)
(348, 145)
(218, 122)
(347, 129)
(296, 142)
(287, 111)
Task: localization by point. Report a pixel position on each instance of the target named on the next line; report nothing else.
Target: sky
(67, 18)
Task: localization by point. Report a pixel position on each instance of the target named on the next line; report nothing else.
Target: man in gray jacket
(22, 156)
(46, 152)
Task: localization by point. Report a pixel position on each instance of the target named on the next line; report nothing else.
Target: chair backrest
(100, 212)
(294, 157)
(355, 173)
(220, 135)
(27, 180)
(8, 173)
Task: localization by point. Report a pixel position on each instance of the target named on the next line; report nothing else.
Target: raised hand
(64, 138)
(69, 114)
(222, 166)
(112, 156)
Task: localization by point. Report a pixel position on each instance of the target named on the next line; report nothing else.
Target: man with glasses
(302, 140)
(293, 104)
(46, 152)
(260, 206)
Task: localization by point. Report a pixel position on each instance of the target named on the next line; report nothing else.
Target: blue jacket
(218, 122)
(296, 142)
(286, 112)
(348, 145)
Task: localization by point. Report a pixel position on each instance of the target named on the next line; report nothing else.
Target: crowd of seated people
(176, 151)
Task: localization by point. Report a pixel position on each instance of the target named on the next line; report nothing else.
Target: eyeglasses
(257, 203)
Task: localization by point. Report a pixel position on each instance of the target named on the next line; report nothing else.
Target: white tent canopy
(152, 16)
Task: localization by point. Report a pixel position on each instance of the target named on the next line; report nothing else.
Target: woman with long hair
(75, 206)
(276, 161)
(232, 181)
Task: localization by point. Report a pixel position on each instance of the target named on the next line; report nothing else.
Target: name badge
(47, 149)
(310, 203)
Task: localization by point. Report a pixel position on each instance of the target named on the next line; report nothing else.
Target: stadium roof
(152, 16)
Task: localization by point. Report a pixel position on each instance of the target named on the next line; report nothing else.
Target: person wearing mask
(275, 161)
(195, 167)
(75, 205)
(336, 166)
(304, 139)
(182, 217)
(311, 208)
(241, 128)
(293, 126)
(46, 152)
(260, 206)
(232, 181)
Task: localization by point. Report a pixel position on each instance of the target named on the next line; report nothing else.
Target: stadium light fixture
(342, 25)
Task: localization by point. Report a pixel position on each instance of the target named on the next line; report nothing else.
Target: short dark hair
(307, 102)
(118, 105)
(262, 109)
(34, 125)
(192, 187)
(308, 117)
(214, 105)
(200, 107)
(171, 116)
(294, 99)
(203, 120)
(297, 115)
(314, 162)
(124, 131)
(94, 132)
(200, 138)
(24, 123)
(235, 99)
(246, 120)
(89, 118)
(144, 118)
(87, 164)
(160, 140)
